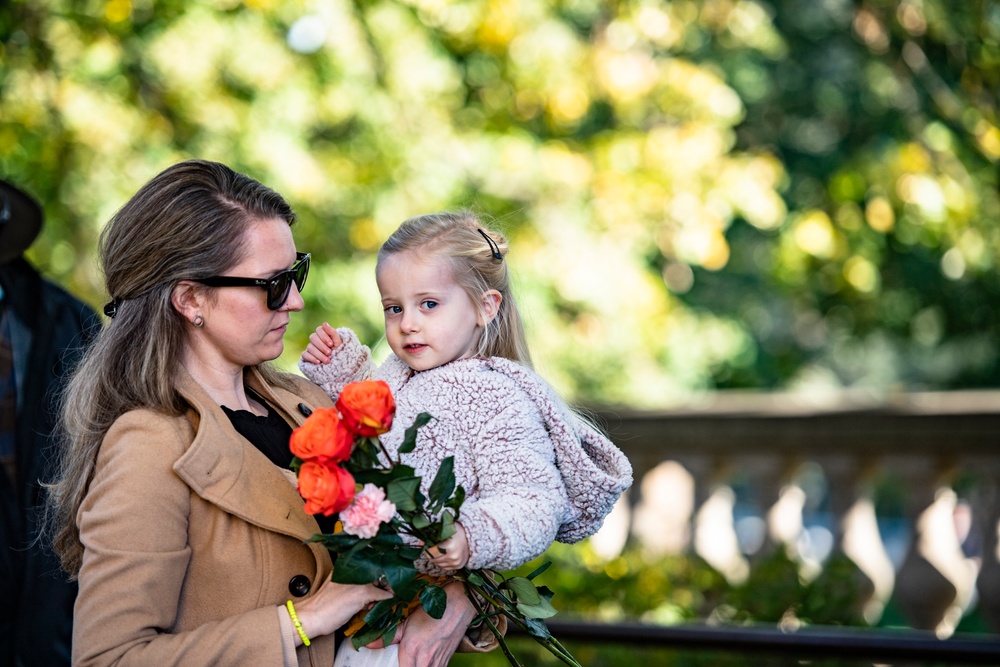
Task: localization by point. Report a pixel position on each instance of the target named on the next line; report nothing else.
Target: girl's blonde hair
(189, 221)
(477, 257)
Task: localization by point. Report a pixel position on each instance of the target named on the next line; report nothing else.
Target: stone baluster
(935, 584)
(715, 538)
(851, 491)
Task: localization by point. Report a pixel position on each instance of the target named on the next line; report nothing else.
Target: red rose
(327, 488)
(367, 408)
(323, 437)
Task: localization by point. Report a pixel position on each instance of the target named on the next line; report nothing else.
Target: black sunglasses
(278, 286)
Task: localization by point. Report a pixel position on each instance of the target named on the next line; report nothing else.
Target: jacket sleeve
(520, 500)
(134, 528)
(350, 362)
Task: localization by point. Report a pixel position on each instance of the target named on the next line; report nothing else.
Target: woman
(175, 509)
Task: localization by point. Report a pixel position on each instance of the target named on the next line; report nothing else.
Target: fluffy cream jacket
(533, 471)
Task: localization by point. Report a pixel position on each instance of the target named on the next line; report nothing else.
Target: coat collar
(224, 469)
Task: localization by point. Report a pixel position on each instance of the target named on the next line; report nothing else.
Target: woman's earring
(198, 321)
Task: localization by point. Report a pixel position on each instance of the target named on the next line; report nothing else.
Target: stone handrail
(773, 459)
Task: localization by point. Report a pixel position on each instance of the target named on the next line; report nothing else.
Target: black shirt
(270, 435)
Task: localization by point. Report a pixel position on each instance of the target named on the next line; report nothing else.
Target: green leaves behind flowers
(410, 435)
(434, 601)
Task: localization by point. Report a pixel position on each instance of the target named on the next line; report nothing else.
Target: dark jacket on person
(48, 330)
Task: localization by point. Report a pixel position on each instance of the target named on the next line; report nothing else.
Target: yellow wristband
(295, 622)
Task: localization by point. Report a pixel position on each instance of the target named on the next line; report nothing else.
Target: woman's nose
(294, 302)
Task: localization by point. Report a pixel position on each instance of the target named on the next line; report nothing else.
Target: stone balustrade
(907, 487)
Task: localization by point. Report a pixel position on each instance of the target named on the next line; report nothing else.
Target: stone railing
(736, 474)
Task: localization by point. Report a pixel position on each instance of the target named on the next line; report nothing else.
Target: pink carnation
(369, 510)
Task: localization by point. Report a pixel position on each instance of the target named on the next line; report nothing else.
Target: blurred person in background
(42, 333)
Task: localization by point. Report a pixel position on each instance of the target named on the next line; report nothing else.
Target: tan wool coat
(192, 539)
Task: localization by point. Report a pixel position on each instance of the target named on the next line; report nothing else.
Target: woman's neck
(222, 382)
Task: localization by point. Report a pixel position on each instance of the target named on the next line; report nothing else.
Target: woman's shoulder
(148, 433)
(301, 387)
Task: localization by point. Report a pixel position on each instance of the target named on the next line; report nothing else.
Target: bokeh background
(793, 194)
(701, 195)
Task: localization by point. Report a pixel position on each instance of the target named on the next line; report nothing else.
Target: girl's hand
(453, 553)
(334, 605)
(322, 343)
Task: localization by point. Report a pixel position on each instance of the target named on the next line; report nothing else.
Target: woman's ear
(187, 299)
(491, 305)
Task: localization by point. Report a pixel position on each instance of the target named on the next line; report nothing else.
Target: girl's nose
(409, 323)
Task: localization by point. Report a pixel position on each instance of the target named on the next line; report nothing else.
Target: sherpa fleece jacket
(533, 471)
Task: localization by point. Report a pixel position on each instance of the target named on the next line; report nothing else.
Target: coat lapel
(227, 471)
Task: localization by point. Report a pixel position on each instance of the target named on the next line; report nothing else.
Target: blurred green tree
(700, 194)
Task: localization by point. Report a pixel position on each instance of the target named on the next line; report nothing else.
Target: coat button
(299, 585)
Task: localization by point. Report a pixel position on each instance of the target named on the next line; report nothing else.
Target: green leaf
(541, 610)
(410, 435)
(537, 628)
(456, 500)
(524, 591)
(475, 579)
(447, 526)
(359, 565)
(366, 635)
(389, 635)
(380, 612)
(402, 576)
(420, 521)
(434, 601)
(336, 542)
(444, 482)
(403, 493)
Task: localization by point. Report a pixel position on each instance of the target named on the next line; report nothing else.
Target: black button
(305, 409)
(299, 585)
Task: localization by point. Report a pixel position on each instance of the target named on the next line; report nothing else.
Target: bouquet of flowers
(343, 468)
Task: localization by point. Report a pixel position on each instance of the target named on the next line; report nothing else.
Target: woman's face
(239, 329)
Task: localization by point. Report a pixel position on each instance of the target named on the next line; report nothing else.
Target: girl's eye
(430, 304)
(393, 310)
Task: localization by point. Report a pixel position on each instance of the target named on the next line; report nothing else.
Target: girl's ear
(491, 305)
(187, 299)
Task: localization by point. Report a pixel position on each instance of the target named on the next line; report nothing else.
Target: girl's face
(429, 318)
(239, 329)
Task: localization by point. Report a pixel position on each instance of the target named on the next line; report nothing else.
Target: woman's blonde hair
(477, 257)
(189, 221)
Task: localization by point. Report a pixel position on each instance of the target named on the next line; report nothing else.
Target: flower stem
(496, 632)
(507, 608)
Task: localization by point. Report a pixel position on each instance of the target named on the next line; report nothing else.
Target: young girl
(533, 471)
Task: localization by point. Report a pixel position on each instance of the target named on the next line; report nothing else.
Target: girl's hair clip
(494, 248)
(111, 308)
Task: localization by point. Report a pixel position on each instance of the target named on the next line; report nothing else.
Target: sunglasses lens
(277, 290)
(301, 273)
(279, 286)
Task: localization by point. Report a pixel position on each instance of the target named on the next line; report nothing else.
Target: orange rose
(367, 408)
(327, 488)
(323, 436)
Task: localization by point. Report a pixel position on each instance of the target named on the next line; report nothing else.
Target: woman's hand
(453, 553)
(425, 642)
(322, 343)
(334, 605)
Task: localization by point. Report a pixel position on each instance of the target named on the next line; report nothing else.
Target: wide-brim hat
(20, 221)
